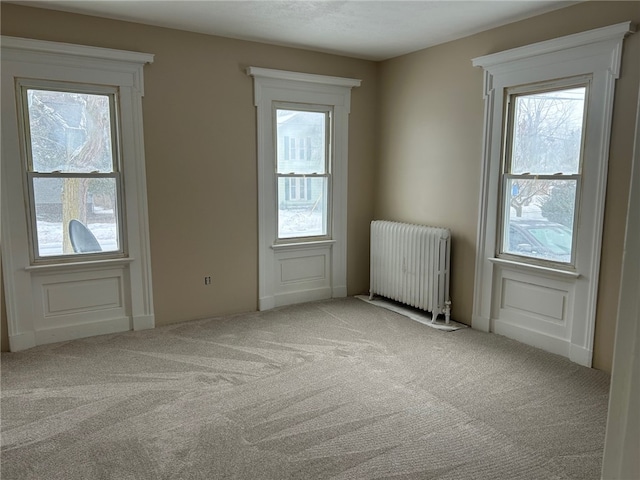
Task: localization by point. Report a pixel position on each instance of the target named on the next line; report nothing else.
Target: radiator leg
(447, 312)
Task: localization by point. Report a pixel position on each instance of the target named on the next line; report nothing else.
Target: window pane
(301, 142)
(539, 218)
(302, 207)
(92, 201)
(70, 132)
(547, 132)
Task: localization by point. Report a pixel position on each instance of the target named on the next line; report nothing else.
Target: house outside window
(303, 171)
(297, 189)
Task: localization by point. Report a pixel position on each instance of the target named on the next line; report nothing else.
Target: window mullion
(73, 175)
(512, 176)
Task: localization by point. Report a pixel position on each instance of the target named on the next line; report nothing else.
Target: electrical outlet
(207, 280)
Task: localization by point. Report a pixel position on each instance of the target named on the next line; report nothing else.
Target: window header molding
(615, 33)
(280, 85)
(80, 56)
(31, 45)
(303, 77)
(600, 48)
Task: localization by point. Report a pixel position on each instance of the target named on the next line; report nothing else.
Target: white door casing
(293, 272)
(622, 440)
(547, 307)
(75, 298)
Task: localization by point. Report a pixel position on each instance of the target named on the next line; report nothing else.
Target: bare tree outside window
(542, 172)
(72, 168)
(547, 136)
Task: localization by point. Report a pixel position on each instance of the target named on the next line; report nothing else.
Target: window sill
(302, 245)
(79, 265)
(530, 268)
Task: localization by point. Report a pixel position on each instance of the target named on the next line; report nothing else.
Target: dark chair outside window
(82, 240)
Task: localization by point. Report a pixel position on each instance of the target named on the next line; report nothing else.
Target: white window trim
(596, 52)
(300, 88)
(61, 62)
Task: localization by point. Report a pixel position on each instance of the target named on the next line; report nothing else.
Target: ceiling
(372, 30)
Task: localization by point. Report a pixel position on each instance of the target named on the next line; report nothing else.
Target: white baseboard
(73, 332)
(21, 341)
(266, 303)
(144, 322)
(551, 344)
(339, 292)
(302, 296)
(480, 323)
(580, 355)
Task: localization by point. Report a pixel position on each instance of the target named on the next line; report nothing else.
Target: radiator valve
(447, 312)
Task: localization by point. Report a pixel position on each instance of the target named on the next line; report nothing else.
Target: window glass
(542, 174)
(303, 173)
(70, 132)
(304, 214)
(301, 142)
(72, 172)
(98, 212)
(547, 132)
(544, 227)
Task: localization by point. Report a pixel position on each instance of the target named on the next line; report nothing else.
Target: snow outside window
(72, 169)
(303, 172)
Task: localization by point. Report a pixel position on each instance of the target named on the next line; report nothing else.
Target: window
(542, 171)
(72, 168)
(303, 172)
(547, 126)
(302, 201)
(72, 133)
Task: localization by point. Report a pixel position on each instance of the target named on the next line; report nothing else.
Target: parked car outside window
(540, 239)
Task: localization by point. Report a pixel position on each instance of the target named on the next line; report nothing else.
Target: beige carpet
(335, 389)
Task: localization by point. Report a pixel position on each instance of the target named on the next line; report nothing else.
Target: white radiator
(410, 264)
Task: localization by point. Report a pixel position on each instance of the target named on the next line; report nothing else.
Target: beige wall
(424, 111)
(200, 141)
(431, 112)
